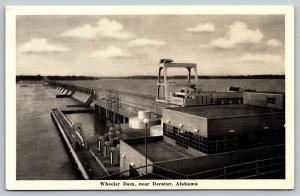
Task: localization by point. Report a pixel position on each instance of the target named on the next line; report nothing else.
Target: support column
(196, 74)
(166, 89)
(189, 74)
(158, 83)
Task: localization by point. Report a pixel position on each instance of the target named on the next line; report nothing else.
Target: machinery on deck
(78, 137)
(188, 94)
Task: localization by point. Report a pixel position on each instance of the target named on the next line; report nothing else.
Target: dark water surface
(149, 86)
(41, 154)
(93, 126)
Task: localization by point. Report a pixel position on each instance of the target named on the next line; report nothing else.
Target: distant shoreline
(39, 77)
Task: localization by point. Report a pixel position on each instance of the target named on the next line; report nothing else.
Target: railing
(121, 175)
(97, 90)
(258, 168)
(71, 87)
(253, 169)
(167, 173)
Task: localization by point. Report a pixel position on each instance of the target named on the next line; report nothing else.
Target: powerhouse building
(214, 129)
(197, 136)
(264, 99)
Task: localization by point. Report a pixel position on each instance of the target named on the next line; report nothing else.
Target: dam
(183, 134)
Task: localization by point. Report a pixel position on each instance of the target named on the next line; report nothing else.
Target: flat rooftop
(221, 111)
(158, 150)
(266, 92)
(132, 133)
(210, 162)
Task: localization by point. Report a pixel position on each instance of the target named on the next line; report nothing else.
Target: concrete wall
(205, 163)
(169, 140)
(189, 122)
(124, 110)
(221, 126)
(227, 95)
(129, 156)
(195, 152)
(242, 125)
(80, 96)
(260, 99)
(200, 99)
(130, 104)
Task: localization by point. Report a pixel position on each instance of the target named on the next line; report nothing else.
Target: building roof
(222, 111)
(182, 65)
(200, 164)
(158, 150)
(266, 92)
(132, 133)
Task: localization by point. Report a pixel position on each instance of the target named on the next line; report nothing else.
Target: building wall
(221, 126)
(129, 156)
(227, 95)
(169, 140)
(198, 168)
(189, 122)
(195, 152)
(247, 124)
(261, 99)
(80, 96)
(200, 99)
(131, 104)
(222, 143)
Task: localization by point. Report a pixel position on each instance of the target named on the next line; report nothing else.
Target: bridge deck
(130, 103)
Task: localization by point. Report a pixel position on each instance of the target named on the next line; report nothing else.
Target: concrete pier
(85, 159)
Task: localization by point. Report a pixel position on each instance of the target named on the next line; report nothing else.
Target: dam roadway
(126, 104)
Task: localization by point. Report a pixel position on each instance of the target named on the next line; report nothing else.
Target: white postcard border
(13, 11)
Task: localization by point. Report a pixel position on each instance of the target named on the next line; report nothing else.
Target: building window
(270, 100)
(230, 142)
(182, 138)
(168, 130)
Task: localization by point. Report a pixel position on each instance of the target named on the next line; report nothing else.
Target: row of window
(225, 143)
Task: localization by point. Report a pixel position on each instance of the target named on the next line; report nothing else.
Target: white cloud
(86, 32)
(104, 28)
(261, 58)
(110, 52)
(41, 45)
(205, 28)
(238, 33)
(146, 42)
(274, 43)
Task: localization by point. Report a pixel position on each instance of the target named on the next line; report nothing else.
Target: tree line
(39, 77)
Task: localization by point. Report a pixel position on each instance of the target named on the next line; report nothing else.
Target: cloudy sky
(133, 45)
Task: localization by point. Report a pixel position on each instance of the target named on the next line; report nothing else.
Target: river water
(149, 86)
(41, 154)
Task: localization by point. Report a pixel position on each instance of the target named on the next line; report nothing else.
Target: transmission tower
(112, 105)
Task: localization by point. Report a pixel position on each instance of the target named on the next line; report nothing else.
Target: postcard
(149, 97)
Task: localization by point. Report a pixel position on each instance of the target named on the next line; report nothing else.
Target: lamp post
(146, 121)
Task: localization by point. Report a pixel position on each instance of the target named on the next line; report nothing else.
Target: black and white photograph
(150, 97)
